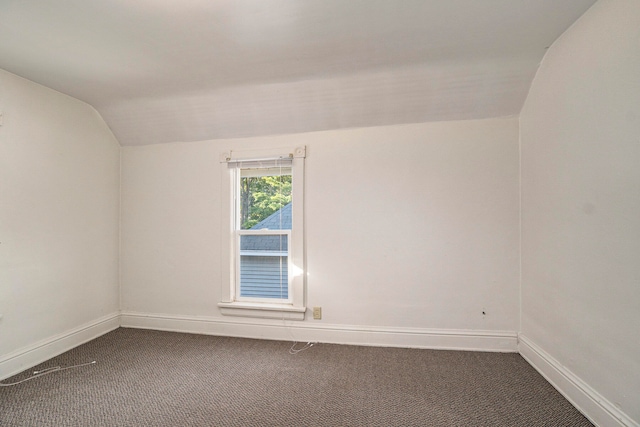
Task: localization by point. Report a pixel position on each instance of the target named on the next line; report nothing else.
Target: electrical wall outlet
(317, 313)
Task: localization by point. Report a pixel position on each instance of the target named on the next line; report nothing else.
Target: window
(266, 247)
(262, 210)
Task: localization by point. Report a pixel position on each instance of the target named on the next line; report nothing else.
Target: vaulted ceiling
(184, 70)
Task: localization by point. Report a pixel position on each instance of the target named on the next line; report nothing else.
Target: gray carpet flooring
(151, 378)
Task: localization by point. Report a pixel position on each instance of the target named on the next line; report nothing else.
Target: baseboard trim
(443, 339)
(594, 406)
(32, 355)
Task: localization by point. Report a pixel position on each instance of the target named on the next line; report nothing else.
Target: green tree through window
(261, 196)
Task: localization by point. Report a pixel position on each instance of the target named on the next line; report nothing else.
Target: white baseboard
(30, 356)
(444, 339)
(595, 407)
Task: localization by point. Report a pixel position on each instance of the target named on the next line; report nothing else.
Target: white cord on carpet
(37, 374)
(294, 350)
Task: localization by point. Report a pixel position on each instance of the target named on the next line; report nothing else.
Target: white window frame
(231, 304)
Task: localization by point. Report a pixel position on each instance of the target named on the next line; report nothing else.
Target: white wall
(59, 202)
(580, 138)
(412, 227)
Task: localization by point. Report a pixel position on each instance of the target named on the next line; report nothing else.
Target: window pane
(265, 200)
(263, 277)
(263, 266)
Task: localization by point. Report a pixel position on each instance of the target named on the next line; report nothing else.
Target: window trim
(229, 305)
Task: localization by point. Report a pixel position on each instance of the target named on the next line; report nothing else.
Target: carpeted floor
(151, 378)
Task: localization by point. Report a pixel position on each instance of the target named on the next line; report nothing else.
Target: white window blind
(276, 162)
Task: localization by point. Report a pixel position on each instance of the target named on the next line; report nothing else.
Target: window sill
(261, 310)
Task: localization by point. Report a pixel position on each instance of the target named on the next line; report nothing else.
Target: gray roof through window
(279, 220)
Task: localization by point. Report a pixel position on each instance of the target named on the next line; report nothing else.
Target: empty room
(320, 213)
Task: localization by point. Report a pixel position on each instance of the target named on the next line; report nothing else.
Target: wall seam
(120, 229)
(520, 225)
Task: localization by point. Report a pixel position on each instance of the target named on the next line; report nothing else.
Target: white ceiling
(184, 70)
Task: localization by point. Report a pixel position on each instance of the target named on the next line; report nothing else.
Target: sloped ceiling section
(184, 70)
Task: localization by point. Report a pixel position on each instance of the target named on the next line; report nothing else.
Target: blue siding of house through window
(264, 277)
(263, 260)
